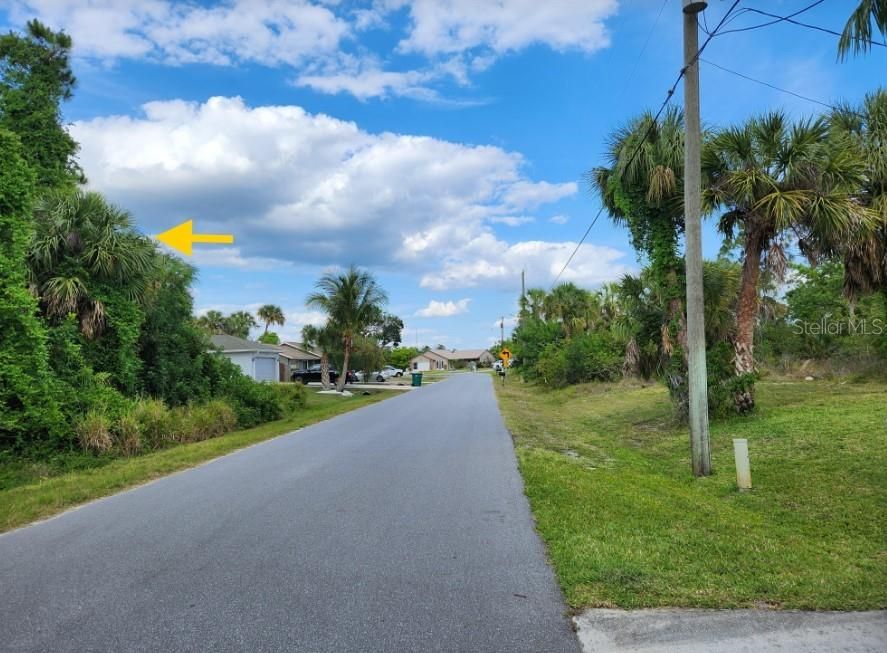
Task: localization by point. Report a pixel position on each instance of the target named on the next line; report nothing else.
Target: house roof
(461, 354)
(298, 352)
(233, 344)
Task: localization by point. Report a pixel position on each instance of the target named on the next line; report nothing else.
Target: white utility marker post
(699, 438)
(743, 468)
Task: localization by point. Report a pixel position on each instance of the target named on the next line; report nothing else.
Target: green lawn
(35, 490)
(607, 474)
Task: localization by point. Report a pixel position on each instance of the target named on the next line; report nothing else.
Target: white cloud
(318, 37)
(444, 309)
(512, 220)
(448, 26)
(307, 189)
(559, 219)
(269, 32)
(488, 262)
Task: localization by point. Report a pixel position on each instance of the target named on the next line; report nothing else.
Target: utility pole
(502, 331)
(699, 437)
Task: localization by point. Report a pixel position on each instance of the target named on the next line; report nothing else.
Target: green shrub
(205, 421)
(593, 357)
(292, 396)
(254, 403)
(94, 432)
(127, 435)
(158, 425)
(551, 365)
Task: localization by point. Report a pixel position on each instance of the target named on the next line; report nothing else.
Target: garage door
(265, 369)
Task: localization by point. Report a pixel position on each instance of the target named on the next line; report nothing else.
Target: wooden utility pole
(699, 436)
(502, 331)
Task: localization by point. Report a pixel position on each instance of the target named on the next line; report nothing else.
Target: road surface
(398, 527)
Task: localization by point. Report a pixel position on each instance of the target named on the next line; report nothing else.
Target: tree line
(98, 346)
(813, 188)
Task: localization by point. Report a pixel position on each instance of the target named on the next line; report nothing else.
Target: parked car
(394, 371)
(497, 366)
(313, 375)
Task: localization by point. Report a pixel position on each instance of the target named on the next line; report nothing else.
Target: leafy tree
(776, 180)
(35, 78)
(400, 357)
(388, 330)
(269, 338)
(857, 32)
(352, 301)
(173, 350)
(271, 314)
(27, 402)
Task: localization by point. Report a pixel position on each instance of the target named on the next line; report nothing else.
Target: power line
(779, 19)
(813, 27)
(650, 127)
(774, 87)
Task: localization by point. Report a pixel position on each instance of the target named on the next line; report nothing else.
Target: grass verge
(626, 525)
(33, 491)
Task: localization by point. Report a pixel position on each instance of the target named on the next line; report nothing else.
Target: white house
(258, 361)
(444, 359)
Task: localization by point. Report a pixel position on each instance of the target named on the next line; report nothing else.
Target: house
(258, 361)
(300, 356)
(444, 359)
(429, 360)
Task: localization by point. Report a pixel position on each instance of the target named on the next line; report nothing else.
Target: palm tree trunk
(631, 367)
(746, 313)
(325, 370)
(343, 374)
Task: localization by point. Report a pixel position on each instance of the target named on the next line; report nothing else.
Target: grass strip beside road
(607, 473)
(44, 497)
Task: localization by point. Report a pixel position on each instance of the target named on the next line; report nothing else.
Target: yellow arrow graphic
(182, 237)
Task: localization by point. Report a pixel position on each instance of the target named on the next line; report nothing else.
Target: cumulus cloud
(269, 32)
(306, 188)
(492, 263)
(319, 38)
(559, 219)
(447, 26)
(444, 309)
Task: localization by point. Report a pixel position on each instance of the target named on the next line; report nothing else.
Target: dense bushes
(149, 424)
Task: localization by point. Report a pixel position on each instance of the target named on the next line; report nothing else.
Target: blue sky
(442, 144)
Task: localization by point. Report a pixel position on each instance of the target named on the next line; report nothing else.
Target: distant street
(399, 527)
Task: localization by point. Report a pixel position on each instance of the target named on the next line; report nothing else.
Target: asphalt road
(399, 527)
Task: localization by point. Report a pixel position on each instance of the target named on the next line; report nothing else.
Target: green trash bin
(417, 379)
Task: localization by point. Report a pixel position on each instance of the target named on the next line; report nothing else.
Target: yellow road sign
(505, 354)
(182, 236)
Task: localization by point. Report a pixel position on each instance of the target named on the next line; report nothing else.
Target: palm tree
(213, 322)
(81, 246)
(865, 257)
(567, 304)
(778, 181)
(352, 301)
(324, 339)
(857, 32)
(239, 324)
(533, 303)
(271, 314)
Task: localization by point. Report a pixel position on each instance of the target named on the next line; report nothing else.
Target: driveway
(398, 527)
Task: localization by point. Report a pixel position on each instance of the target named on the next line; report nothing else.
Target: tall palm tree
(642, 189)
(568, 304)
(271, 314)
(858, 31)
(865, 257)
(213, 322)
(352, 301)
(239, 324)
(776, 182)
(533, 303)
(83, 244)
(324, 339)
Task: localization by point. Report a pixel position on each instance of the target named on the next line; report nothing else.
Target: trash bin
(417, 379)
